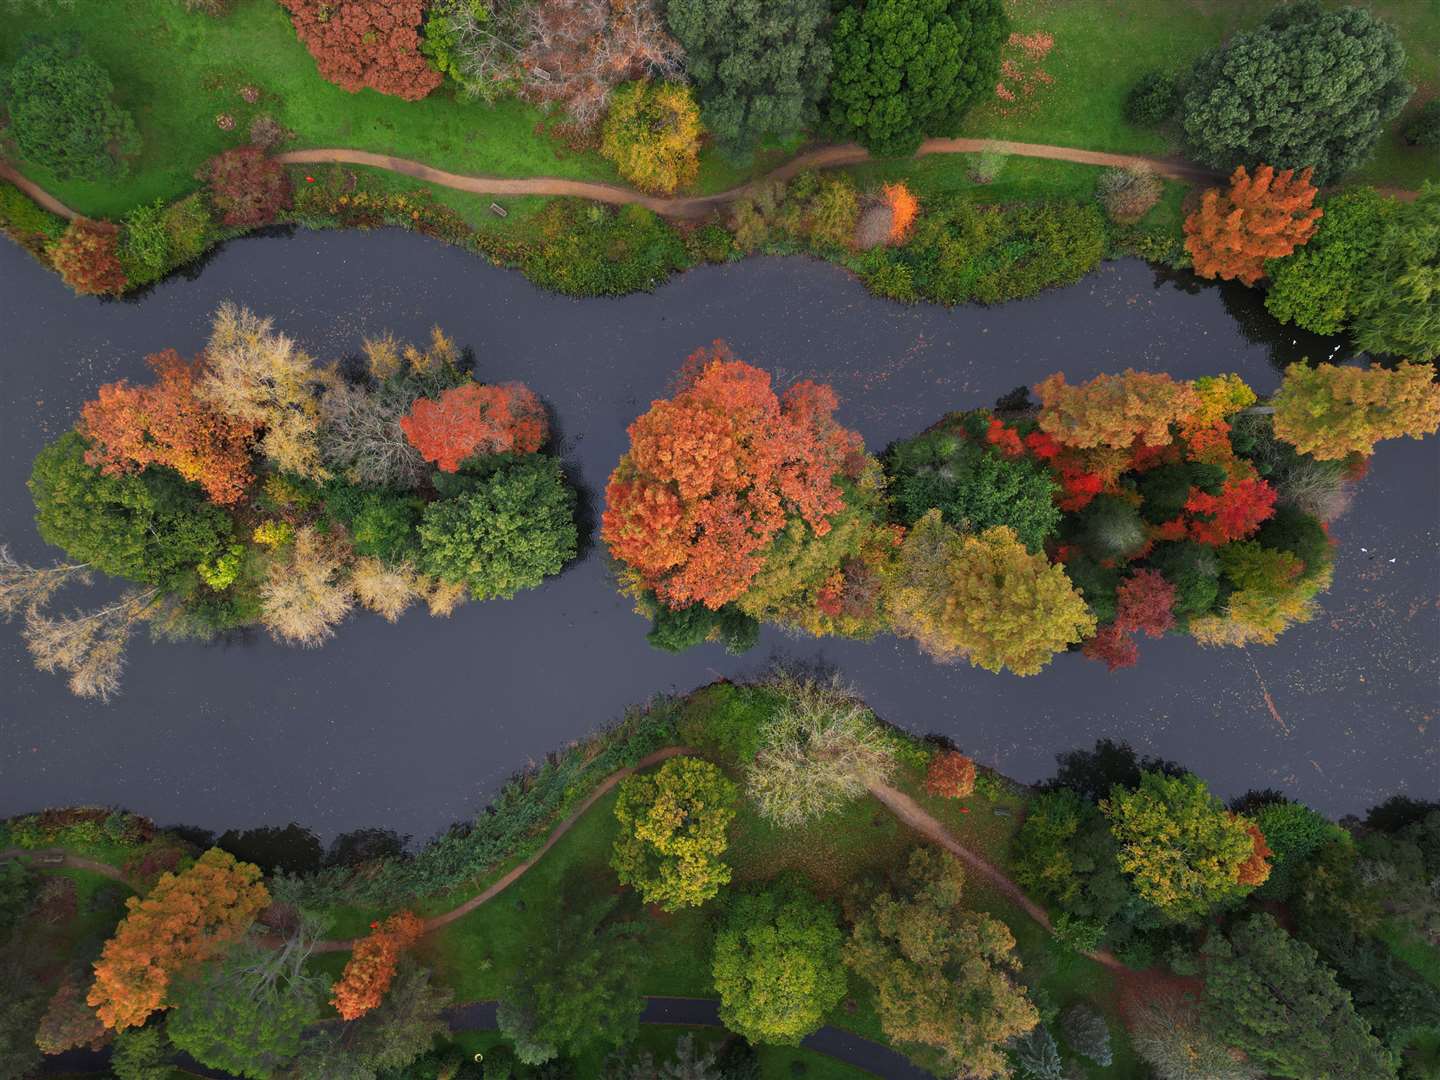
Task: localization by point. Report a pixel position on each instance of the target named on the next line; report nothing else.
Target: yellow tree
(186, 918)
(984, 597)
(1115, 410)
(652, 134)
(1265, 216)
(1331, 412)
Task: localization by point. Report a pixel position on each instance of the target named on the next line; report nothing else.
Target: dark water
(412, 726)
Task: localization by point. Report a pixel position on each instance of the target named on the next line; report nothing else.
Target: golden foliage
(305, 595)
(652, 134)
(1331, 412)
(385, 590)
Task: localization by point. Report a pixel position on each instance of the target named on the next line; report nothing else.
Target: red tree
(366, 43)
(474, 419)
(1256, 869)
(950, 775)
(372, 964)
(133, 427)
(87, 261)
(1113, 646)
(1145, 602)
(1266, 216)
(69, 1022)
(1233, 514)
(247, 187)
(716, 471)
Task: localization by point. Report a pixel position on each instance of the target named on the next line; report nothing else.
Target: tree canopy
(1397, 300)
(1260, 217)
(905, 69)
(1332, 411)
(1307, 88)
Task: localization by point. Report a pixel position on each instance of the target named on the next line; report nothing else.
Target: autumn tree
(1269, 592)
(715, 472)
(87, 259)
(1266, 216)
(652, 134)
(131, 428)
(777, 964)
(673, 832)
(372, 963)
(577, 51)
(1145, 602)
(473, 419)
(305, 594)
(950, 775)
(69, 1022)
(247, 186)
(1331, 412)
(984, 598)
(1114, 410)
(945, 977)
(1178, 843)
(256, 375)
(359, 44)
(1233, 513)
(186, 918)
(819, 749)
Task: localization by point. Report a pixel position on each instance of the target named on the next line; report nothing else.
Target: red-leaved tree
(715, 472)
(950, 775)
(87, 260)
(476, 419)
(366, 43)
(1145, 602)
(133, 427)
(1113, 647)
(1233, 514)
(372, 964)
(246, 186)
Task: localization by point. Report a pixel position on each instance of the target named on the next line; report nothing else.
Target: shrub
(652, 134)
(366, 43)
(584, 249)
(62, 112)
(678, 630)
(187, 228)
(247, 187)
(1128, 194)
(144, 249)
(88, 260)
(820, 749)
(503, 532)
(833, 212)
(673, 832)
(903, 208)
(1257, 99)
(1086, 1032)
(1152, 100)
(266, 132)
(950, 775)
(28, 223)
(986, 166)
(214, 8)
(1424, 130)
(758, 69)
(905, 69)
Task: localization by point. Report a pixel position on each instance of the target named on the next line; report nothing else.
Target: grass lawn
(1407, 944)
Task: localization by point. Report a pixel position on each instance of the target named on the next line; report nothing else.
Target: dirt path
(48, 201)
(695, 206)
(73, 862)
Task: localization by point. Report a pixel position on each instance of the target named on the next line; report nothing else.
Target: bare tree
(90, 646)
(306, 596)
(24, 587)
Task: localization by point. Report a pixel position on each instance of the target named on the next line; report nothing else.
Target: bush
(678, 630)
(62, 112)
(950, 775)
(188, 228)
(88, 260)
(28, 223)
(1152, 100)
(833, 212)
(247, 187)
(905, 69)
(145, 243)
(652, 134)
(266, 132)
(986, 166)
(1086, 1032)
(366, 43)
(1424, 130)
(1128, 194)
(584, 249)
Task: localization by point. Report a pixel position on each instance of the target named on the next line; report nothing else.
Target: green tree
(149, 527)
(777, 964)
(945, 977)
(1398, 300)
(760, 68)
(142, 1054)
(502, 532)
(673, 832)
(1308, 87)
(62, 112)
(972, 486)
(905, 69)
(1178, 843)
(246, 1015)
(1316, 287)
(1270, 995)
(580, 984)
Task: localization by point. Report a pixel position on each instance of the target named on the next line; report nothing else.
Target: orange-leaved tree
(1265, 216)
(715, 472)
(476, 419)
(133, 427)
(186, 918)
(372, 964)
(1114, 410)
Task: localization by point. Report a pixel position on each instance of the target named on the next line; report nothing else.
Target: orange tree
(1266, 216)
(133, 427)
(714, 473)
(474, 419)
(372, 965)
(186, 918)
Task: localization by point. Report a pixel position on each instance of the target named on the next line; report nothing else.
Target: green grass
(1407, 945)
